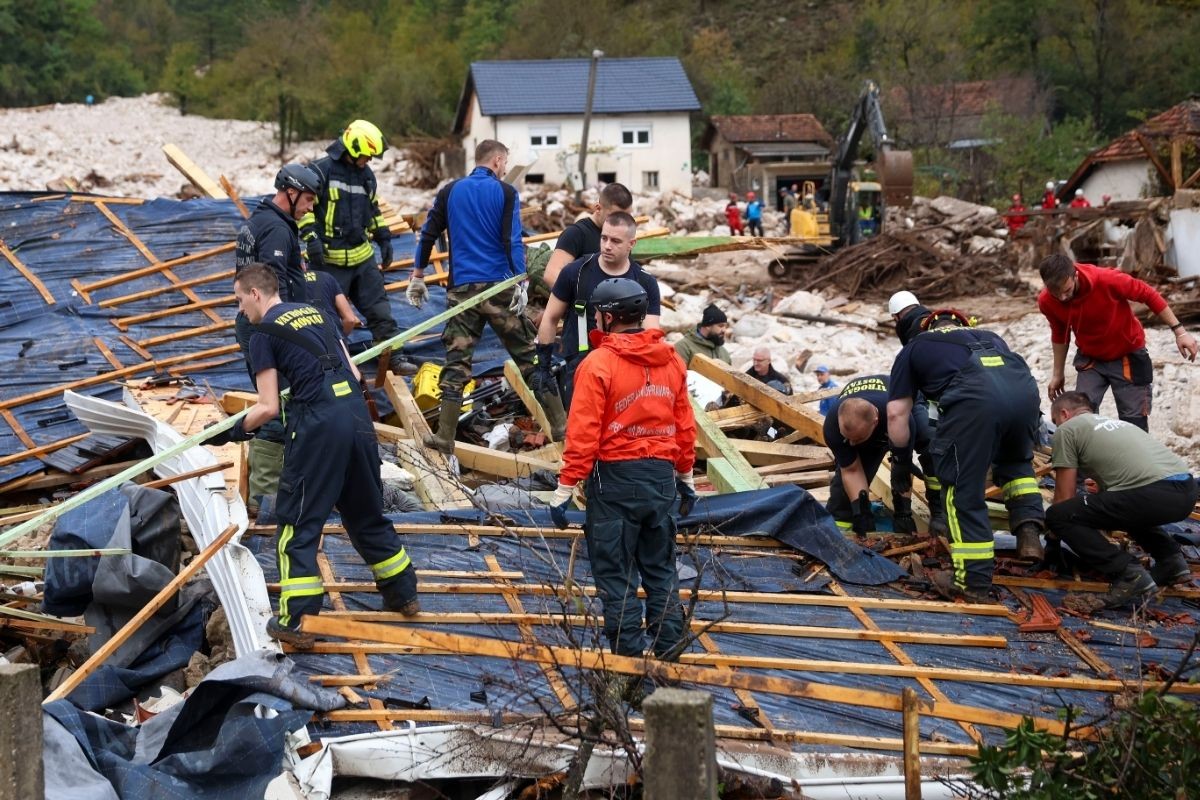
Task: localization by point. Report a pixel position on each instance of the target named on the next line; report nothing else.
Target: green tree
(1026, 152)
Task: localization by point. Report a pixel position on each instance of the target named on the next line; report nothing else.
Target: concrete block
(681, 755)
(21, 775)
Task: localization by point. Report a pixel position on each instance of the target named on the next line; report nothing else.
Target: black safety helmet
(300, 177)
(625, 299)
(944, 317)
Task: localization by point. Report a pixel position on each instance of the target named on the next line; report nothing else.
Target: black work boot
(400, 364)
(399, 593)
(943, 583)
(1029, 541)
(1131, 585)
(937, 513)
(443, 440)
(1171, 570)
(289, 635)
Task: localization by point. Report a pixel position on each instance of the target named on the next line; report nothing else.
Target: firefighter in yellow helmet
(346, 217)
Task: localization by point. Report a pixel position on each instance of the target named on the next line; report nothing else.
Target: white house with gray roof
(640, 133)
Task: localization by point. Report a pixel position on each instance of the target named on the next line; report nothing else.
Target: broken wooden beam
(727, 468)
(435, 481)
(196, 176)
(771, 402)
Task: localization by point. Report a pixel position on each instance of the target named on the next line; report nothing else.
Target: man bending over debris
(988, 417)
(633, 436)
(332, 454)
(856, 431)
(482, 215)
(1142, 485)
(570, 300)
(1110, 342)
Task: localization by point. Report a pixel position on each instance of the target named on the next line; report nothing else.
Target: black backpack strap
(327, 356)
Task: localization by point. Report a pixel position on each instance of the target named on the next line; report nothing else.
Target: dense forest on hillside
(1101, 65)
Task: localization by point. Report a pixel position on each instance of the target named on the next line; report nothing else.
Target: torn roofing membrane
(753, 593)
(71, 242)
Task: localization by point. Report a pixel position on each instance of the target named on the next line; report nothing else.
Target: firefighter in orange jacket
(632, 434)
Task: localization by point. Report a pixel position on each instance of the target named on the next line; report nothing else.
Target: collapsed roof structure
(806, 640)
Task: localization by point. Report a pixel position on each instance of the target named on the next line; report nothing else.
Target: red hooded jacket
(630, 401)
(1099, 313)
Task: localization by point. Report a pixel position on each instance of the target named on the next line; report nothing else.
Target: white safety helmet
(900, 301)
(1049, 185)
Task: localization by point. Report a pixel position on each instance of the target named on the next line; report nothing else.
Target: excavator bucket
(895, 169)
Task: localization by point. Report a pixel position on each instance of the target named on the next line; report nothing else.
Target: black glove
(542, 380)
(1053, 557)
(316, 253)
(559, 515)
(863, 521)
(237, 433)
(687, 495)
(902, 518)
(383, 237)
(901, 471)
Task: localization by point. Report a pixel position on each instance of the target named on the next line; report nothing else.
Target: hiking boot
(1029, 541)
(288, 635)
(1131, 585)
(1171, 570)
(943, 583)
(400, 364)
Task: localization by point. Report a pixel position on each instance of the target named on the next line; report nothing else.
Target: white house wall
(668, 154)
(1122, 180)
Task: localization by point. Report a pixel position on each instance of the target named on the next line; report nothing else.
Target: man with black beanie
(708, 338)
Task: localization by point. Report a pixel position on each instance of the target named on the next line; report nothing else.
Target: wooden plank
(741, 416)
(896, 652)
(205, 306)
(765, 453)
(145, 613)
(1098, 587)
(714, 596)
(759, 716)
(189, 333)
(112, 302)
(731, 472)
(597, 660)
(799, 465)
(227, 187)
(805, 480)
(766, 399)
(27, 273)
(435, 481)
(912, 749)
(196, 176)
(125, 231)
(476, 457)
(85, 289)
(512, 374)
(107, 353)
(17, 428)
(698, 625)
(42, 450)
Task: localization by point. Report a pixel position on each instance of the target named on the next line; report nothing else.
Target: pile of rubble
(938, 248)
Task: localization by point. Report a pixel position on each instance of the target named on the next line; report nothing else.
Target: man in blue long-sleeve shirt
(481, 215)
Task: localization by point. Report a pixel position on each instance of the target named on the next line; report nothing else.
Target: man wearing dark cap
(708, 338)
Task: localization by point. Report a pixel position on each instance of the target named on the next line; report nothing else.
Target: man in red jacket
(1111, 344)
(631, 433)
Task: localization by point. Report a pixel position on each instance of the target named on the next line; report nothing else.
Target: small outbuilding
(766, 152)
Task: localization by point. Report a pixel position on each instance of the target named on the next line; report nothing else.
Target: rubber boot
(443, 440)
(552, 404)
(266, 463)
(1029, 541)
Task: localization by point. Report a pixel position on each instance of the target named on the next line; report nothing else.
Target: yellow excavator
(847, 210)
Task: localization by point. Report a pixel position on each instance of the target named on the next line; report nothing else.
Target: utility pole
(587, 123)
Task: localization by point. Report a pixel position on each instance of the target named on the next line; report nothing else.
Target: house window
(636, 136)
(535, 177)
(543, 136)
(649, 180)
(606, 177)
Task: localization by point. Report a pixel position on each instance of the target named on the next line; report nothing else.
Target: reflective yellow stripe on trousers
(961, 552)
(289, 586)
(1020, 486)
(391, 567)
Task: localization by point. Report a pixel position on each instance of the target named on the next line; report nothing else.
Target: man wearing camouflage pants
(482, 216)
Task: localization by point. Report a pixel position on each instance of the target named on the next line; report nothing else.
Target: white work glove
(520, 298)
(417, 292)
(561, 495)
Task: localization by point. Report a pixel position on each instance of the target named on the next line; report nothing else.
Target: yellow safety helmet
(362, 138)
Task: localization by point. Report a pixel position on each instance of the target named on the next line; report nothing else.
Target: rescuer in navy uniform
(988, 418)
(332, 454)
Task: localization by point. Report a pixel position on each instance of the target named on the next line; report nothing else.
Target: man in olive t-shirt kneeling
(1142, 485)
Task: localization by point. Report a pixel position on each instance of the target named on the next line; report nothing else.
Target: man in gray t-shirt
(1142, 485)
